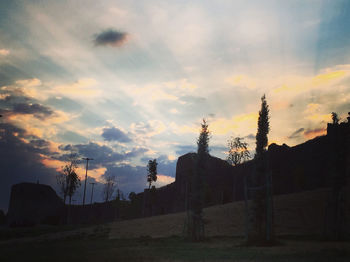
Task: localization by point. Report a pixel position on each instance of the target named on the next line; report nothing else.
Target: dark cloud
(184, 149)
(20, 161)
(102, 155)
(297, 133)
(110, 37)
(16, 102)
(129, 178)
(218, 148)
(165, 166)
(134, 178)
(37, 110)
(115, 134)
(250, 137)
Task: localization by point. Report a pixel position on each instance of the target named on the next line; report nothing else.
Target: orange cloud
(52, 163)
(309, 134)
(319, 117)
(58, 164)
(163, 180)
(4, 52)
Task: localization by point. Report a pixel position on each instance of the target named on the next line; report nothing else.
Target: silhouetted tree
(335, 118)
(68, 180)
(237, 151)
(152, 172)
(260, 214)
(62, 184)
(132, 196)
(109, 186)
(195, 225)
(339, 137)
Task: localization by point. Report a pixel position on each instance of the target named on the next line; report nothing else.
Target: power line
(92, 192)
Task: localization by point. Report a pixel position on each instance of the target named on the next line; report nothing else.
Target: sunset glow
(128, 81)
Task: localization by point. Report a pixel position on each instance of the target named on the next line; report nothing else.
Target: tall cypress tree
(260, 217)
(195, 225)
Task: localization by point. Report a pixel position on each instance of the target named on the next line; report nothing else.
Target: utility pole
(87, 166)
(92, 192)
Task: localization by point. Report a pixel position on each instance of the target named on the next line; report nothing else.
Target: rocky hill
(307, 166)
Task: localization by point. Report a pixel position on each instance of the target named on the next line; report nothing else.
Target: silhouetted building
(32, 204)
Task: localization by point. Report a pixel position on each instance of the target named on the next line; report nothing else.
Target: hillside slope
(295, 214)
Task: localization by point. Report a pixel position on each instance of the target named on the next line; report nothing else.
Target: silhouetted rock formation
(32, 204)
(307, 166)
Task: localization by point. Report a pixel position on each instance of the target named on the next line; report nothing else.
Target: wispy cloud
(4, 52)
(297, 133)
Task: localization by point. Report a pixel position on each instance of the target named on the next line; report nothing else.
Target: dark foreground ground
(299, 221)
(95, 245)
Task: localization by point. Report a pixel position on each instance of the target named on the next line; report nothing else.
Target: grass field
(295, 214)
(298, 223)
(100, 248)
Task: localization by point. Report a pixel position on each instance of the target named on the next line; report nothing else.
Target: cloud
(82, 88)
(21, 161)
(37, 110)
(149, 129)
(103, 155)
(129, 178)
(250, 137)
(311, 133)
(110, 37)
(115, 134)
(239, 123)
(184, 149)
(4, 52)
(163, 180)
(297, 133)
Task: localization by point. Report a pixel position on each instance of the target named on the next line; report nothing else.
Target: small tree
(152, 172)
(62, 184)
(132, 197)
(335, 118)
(68, 180)
(109, 186)
(237, 151)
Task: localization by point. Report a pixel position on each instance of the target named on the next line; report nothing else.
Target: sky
(127, 81)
